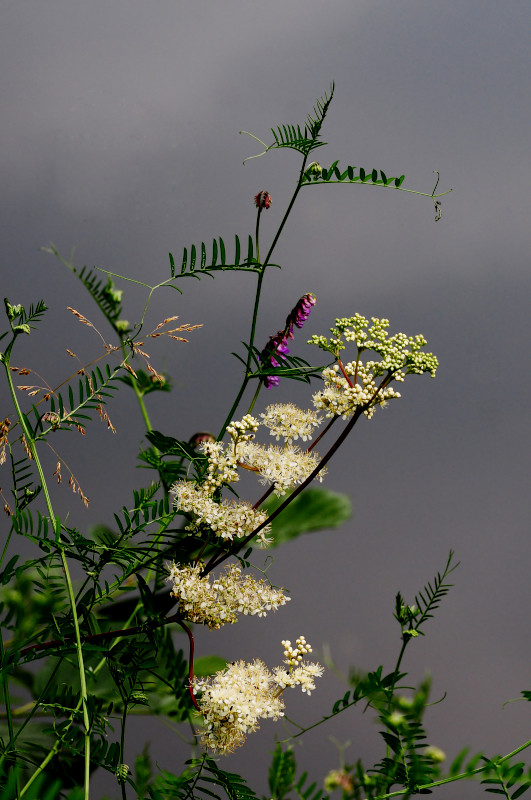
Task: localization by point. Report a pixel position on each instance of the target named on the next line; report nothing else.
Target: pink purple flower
(278, 343)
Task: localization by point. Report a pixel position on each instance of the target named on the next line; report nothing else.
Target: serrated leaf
(312, 510)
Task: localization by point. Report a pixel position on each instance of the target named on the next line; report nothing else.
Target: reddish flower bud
(262, 200)
(202, 436)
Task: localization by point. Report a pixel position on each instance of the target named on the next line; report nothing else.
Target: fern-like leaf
(198, 261)
(316, 174)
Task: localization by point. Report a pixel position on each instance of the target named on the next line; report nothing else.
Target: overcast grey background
(119, 136)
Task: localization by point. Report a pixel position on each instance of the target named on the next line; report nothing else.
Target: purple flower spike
(301, 312)
(277, 344)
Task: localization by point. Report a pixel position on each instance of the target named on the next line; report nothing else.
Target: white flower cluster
(222, 466)
(281, 467)
(217, 603)
(228, 519)
(400, 355)
(287, 421)
(340, 399)
(234, 699)
(243, 430)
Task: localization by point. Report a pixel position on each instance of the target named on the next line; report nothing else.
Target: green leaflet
(313, 510)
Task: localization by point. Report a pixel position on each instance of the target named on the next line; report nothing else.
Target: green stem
(461, 776)
(239, 545)
(30, 440)
(380, 185)
(7, 700)
(139, 397)
(122, 747)
(255, 398)
(239, 396)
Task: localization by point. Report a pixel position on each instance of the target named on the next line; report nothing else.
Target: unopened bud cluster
(365, 385)
(294, 655)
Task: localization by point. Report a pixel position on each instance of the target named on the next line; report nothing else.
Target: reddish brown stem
(346, 377)
(191, 663)
(98, 637)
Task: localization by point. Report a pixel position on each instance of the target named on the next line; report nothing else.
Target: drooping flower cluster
(282, 467)
(228, 519)
(277, 345)
(233, 700)
(217, 603)
(358, 384)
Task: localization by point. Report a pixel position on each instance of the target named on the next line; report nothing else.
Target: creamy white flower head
(229, 519)
(234, 699)
(287, 421)
(217, 603)
(282, 467)
(399, 355)
(338, 398)
(243, 430)
(222, 465)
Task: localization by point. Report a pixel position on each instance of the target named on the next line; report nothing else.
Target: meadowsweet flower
(234, 699)
(282, 467)
(288, 421)
(217, 603)
(222, 466)
(367, 384)
(339, 398)
(227, 519)
(244, 430)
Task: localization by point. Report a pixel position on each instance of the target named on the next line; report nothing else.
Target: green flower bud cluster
(398, 352)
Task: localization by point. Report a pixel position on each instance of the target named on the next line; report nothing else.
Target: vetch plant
(114, 638)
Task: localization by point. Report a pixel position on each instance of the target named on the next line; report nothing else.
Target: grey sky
(119, 135)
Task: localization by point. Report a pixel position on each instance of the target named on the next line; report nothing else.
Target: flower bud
(198, 438)
(262, 200)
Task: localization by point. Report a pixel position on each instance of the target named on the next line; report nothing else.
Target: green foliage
(94, 608)
(332, 174)
(198, 261)
(306, 139)
(509, 780)
(203, 778)
(105, 294)
(282, 780)
(313, 510)
(91, 393)
(145, 383)
(412, 617)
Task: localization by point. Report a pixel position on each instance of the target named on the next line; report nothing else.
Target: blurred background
(119, 138)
